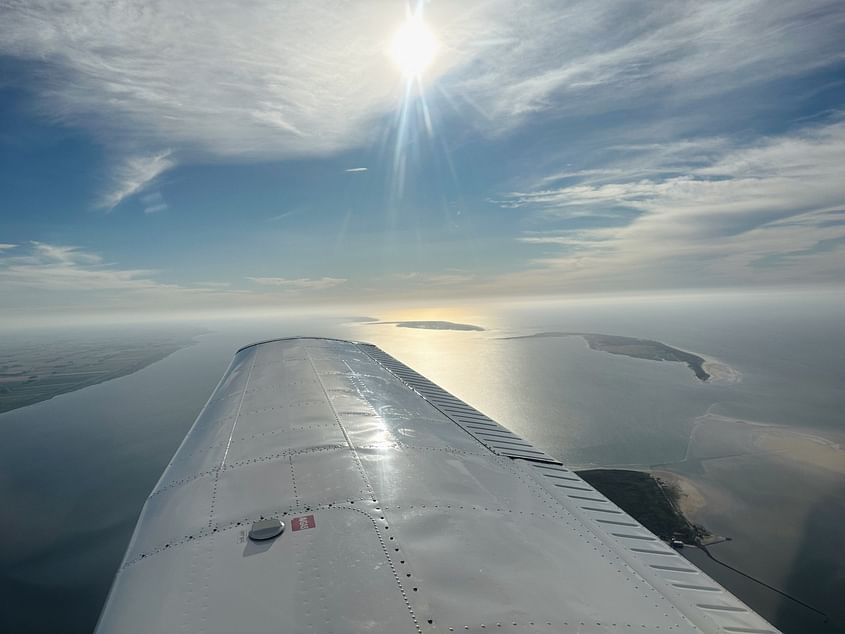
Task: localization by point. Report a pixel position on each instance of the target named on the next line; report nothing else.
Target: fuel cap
(263, 530)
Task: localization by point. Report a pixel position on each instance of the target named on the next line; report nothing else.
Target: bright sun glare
(413, 47)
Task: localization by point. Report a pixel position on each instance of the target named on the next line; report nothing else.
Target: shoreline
(706, 369)
(720, 372)
(11, 402)
(655, 503)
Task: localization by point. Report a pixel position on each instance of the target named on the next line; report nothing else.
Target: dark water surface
(75, 470)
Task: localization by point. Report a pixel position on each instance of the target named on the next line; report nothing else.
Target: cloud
(134, 175)
(214, 284)
(49, 282)
(207, 77)
(282, 216)
(772, 212)
(162, 84)
(573, 239)
(153, 202)
(68, 268)
(72, 274)
(447, 278)
(578, 58)
(303, 283)
(154, 209)
(356, 169)
(212, 81)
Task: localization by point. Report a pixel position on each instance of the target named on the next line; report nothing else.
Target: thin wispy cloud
(356, 169)
(773, 212)
(290, 213)
(444, 278)
(578, 58)
(50, 277)
(153, 202)
(232, 84)
(629, 162)
(299, 284)
(40, 279)
(278, 81)
(57, 267)
(49, 267)
(215, 284)
(134, 175)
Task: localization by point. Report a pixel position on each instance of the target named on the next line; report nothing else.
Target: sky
(201, 155)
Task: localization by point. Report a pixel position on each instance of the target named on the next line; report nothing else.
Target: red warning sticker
(302, 523)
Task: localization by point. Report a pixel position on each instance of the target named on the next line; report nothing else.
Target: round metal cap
(263, 530)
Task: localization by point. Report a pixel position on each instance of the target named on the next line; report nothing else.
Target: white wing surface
(404, 510)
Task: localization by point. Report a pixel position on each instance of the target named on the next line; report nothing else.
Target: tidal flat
(778, 494)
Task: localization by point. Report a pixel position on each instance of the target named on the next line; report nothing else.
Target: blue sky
(178, 156)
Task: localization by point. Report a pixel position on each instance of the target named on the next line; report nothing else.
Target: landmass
(650, 500)
(636, 348)
(431, 325)
(39, 369)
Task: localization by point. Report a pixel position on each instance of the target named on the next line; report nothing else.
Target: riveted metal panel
(173, 512)
(468, 418)
(406, 509)
(301, 581)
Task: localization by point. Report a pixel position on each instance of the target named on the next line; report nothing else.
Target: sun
(413, 47)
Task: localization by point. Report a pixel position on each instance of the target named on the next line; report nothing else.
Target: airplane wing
(401, 509)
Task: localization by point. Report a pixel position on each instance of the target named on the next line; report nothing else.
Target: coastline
(720, 372)
(689, 498)
(39, 384)
(705, 369)
(776, 494)
(650, 500)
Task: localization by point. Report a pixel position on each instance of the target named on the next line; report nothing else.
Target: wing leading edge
(405, 510)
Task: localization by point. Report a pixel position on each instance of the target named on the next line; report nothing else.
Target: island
(430, 325)
(632, 347)
(358, 319)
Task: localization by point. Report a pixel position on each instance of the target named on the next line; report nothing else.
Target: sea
(760, 449)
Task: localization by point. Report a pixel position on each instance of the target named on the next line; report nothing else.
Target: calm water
(76, 469)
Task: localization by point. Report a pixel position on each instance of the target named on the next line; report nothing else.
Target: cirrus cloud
(769, 213)
(163, 83)
(299, 284)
